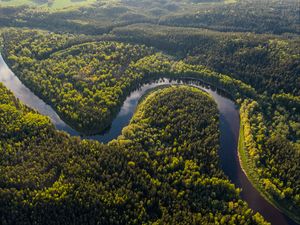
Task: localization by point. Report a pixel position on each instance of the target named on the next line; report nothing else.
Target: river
(229, 132)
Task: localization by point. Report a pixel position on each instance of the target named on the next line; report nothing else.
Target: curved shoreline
(229, 129)
(244, 160)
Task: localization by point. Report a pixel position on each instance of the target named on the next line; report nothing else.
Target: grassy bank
(250, 170)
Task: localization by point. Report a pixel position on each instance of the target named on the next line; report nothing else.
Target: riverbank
(229, 121)
(250, 171)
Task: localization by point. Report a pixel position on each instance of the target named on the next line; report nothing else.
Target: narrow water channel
(229, 132)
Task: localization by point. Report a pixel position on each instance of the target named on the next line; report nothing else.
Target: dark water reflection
(229, 132)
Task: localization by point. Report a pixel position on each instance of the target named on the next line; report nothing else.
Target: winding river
(229, 132)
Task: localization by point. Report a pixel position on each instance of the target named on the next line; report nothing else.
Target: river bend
(229, 132)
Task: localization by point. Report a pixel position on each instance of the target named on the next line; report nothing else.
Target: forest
(87, 82)
(164, 167)
(145, 176)
(100, 17)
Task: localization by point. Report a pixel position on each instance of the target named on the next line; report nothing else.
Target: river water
(229, 132)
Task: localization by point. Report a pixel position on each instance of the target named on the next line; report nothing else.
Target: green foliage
(102, 16)
(148, 176)
(86, 78)
(87, 82)
(267, 63)
(247, 15)
(174, 126)
(276, 174)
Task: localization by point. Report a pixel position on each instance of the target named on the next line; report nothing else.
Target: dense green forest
(273, 16)
(86, 79)
(84, 61)
(146, 176)
(267, 62)
(270, 157)
(86, 82)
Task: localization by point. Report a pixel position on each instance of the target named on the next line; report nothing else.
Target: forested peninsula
(85, 59)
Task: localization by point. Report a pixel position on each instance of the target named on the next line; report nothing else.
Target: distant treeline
(276, 17)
